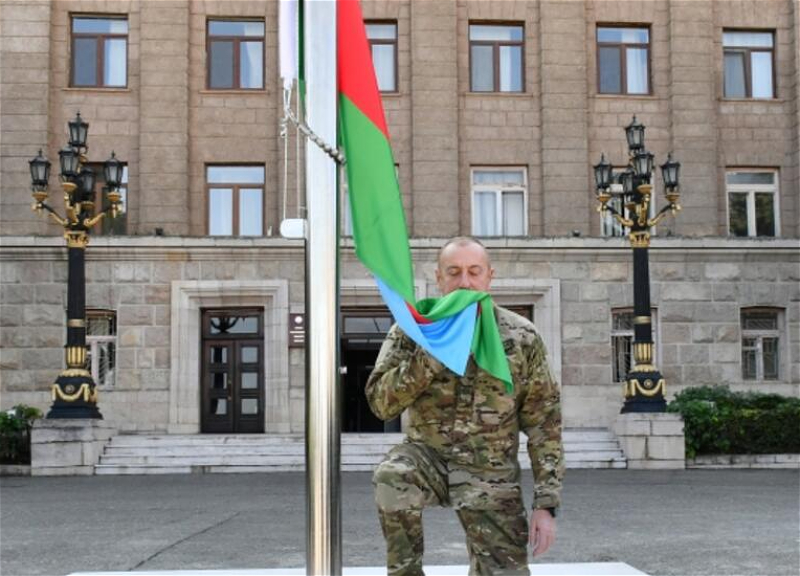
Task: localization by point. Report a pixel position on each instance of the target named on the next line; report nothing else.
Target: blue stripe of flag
(448, 340)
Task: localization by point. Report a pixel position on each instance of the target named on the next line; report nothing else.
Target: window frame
(235, 190)
(496, 44)
(237, 40)
(93, 343)
(751, 190)
(624, 58)
(499, 199)
(607, 220)
(618, 332)
(778, 333)
(385, 42)
(748, 72)
(101, 53)
(103, 229)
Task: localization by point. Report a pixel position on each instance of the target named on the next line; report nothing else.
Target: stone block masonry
(652, 440)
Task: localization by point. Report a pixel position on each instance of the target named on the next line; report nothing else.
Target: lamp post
(644, 387)
(74, 392)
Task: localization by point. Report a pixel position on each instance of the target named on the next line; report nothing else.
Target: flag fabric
(452, 326)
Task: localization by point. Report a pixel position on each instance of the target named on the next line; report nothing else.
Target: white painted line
(566, 569)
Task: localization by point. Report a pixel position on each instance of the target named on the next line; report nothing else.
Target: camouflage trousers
(413, 477)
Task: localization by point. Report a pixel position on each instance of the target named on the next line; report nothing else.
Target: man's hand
(542, 531)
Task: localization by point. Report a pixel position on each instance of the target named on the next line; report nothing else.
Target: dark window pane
(636, 60)
(219, 407)
(367, 324)
(482, 69)
(761, 69)
(511, 68)
(251, 65)
(495, 33)
(221, 55)
(734, 75)
(610, 72)
(219, 380)
(115, 63)
(100, 25)
(383, 60)
(771, 358)
(750, 177)
(235, 28)
(84, 62)
(737, 205)
(219, 355)
(748, 359)
(759, 320)
(765, 214)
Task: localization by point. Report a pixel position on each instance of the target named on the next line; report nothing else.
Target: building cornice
(105, 248)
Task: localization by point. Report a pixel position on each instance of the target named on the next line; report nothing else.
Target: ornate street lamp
(74, 392)
(644, 388)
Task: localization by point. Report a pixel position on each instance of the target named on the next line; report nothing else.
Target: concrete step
(212, 453)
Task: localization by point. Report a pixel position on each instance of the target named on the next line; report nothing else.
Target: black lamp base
(75, 397)
(644, 392)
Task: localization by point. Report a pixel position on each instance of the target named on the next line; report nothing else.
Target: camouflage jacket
(472, 422)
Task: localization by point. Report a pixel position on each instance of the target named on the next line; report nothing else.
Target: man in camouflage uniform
(462, 437)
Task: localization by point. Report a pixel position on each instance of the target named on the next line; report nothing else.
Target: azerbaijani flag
(451, 327)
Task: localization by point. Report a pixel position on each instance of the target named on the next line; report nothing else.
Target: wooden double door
(233, 371)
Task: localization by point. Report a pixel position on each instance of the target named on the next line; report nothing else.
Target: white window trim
(778, 333)
(498, 205)
(656, 336)
(93, 342)
(751, 190)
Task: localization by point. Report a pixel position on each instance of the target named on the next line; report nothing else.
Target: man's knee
(397, 486)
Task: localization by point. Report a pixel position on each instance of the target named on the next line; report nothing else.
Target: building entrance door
(363, 331)
(232, 377)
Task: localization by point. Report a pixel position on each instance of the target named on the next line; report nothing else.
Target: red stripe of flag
(353, 48)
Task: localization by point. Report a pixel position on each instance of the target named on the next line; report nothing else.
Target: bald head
(463, 263)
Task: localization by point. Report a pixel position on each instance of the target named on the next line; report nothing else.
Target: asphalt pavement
(686, 522)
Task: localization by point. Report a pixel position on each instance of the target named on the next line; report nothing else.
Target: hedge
(719, 421)
(15, 434)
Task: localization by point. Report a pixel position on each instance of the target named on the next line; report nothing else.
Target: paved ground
(721, 522)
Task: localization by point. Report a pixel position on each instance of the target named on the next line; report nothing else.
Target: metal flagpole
(323, 490)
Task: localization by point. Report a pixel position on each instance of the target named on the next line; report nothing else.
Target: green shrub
(15, 434)
(719, 421)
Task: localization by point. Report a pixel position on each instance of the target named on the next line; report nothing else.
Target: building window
(749, 64)
(623, 60)
(760, 344)
(499, 203)
(235, 54)
(110, 226)
(610, 226)
(101, 345)
(752, 203)
(235, 200)
(382, 38)
(496, 53)
(622, 361)
(99, 52)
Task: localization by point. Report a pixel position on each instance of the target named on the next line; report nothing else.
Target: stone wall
(698, 290)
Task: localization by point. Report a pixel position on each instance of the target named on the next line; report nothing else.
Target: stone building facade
(725, 292)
